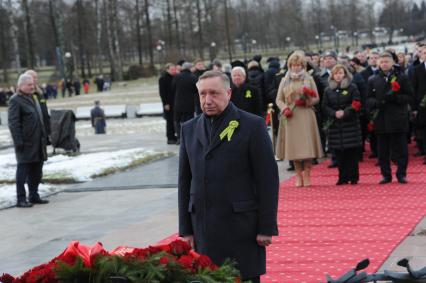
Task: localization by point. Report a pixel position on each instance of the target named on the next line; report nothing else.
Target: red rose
(288, 113)
(7, 278)
(356, 105)
(300, 102)
(395, 86)
(186, 261)
(138, 253)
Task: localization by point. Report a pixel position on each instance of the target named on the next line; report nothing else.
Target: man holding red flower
(389, 93)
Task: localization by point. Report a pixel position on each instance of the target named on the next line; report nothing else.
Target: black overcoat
(419, 86)
(343, 133)
(186, 93)
(228, 190)
(27, 129)
(392, 109)
(247, 98)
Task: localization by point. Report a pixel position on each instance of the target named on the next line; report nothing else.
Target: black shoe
(23, 204)
(38, 201)
(291, 168)
(332, 166)
(419, 153)
(354, 182)
(314, 161)
(424, 161)
(385, 181)
(171, 141)
(178, 142)
(341, 182)
(372, 155)
(402, 180)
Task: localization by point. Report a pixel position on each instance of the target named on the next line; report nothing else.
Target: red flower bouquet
(173, 262)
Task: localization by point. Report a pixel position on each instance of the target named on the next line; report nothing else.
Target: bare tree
(149, 31)
(228, 35)
(99, 57)
(138, 31)
(12, 14)
(117, 48)
(29, 35)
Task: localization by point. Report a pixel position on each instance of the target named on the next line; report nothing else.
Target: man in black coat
(419, 105)
(167, 98)
(185, 91)
(29, 138)
(245, 96)
(389, 94)
(228, 181)
(366, 74)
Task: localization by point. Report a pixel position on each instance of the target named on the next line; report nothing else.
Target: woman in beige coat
(298, 135)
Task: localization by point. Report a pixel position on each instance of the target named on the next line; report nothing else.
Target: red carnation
(370, 126)
(179, 247)
(309, 92)
(186, 261)
(356, 105)
(288, 113)
(395, 86)
(300, 102)
(164, 260)
(7, 278)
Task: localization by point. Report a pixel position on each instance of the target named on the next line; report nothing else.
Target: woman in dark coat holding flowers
(341, 105)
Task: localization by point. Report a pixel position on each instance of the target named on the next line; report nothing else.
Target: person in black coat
(389, 95)
(97, 117)
(244, 96)
(167, 98)
(29, 136)
(228, 181)
(419, 105)
(371, 70)
(256, 79)
(185, 92)
(341, 105)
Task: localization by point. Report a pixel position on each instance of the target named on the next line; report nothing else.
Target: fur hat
(330, 53)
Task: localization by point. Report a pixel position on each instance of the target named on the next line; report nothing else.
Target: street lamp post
(70, 66)
(212, 50)
(356, 39)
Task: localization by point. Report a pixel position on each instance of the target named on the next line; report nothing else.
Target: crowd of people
(324, 104)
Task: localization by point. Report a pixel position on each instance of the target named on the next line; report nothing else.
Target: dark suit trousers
(32, 174)
(395, 146)
(170, 127)
(347, 163)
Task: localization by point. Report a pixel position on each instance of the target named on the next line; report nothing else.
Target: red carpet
(328, 228)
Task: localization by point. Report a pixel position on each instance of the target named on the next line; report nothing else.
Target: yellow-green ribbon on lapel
(229, 131)
(345, 92)
(248, 94)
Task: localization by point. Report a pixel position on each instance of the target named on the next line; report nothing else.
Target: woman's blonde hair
(297, 58)
(337, 68)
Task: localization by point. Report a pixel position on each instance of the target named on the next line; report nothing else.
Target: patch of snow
(79, 168)
(8, 193)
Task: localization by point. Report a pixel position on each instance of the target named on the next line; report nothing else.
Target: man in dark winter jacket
(419, 105)
(255, 77)
(97, 117)
(29, 136)
(245, 96)
(185, 91)
(167, 98)
(389, 94)
(228, 181)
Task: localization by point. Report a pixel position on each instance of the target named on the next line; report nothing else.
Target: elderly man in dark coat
(97, 117)
(228, 181)
(29, 138)
(389, 94)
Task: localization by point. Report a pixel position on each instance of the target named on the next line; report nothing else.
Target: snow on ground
(5, 138)
(124, 126)
(8, 193)
(82, 167)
